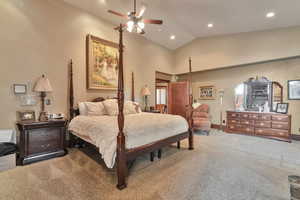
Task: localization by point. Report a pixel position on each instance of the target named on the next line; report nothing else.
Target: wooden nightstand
(41, 140)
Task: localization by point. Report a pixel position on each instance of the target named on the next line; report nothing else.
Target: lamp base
(43, 117)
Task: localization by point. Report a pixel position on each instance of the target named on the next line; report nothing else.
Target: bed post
(121, 156)
(71, 93)
(132, 87)
(190, 108)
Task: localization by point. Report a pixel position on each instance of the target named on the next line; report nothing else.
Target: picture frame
(282, 108)
(26, 115)
(207, 92)
(20, 88)
(294, 89)
(102, 60)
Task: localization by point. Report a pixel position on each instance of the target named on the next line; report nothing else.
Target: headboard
(74, 110)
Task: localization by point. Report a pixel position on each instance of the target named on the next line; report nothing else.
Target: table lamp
(43, 86)
(146, 92)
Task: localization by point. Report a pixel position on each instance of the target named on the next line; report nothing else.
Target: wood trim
(133, 153)
(121, 155)
(219, 127)
(295, 137)
(245, 64)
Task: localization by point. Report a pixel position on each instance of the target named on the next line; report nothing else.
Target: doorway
(162, 81)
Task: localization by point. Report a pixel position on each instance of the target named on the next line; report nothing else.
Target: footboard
(134, 152)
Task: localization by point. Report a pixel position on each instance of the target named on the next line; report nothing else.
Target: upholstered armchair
(201, 118)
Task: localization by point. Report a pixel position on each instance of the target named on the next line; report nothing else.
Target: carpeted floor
(222, 167)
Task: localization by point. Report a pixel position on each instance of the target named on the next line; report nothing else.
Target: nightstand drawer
(44, 140)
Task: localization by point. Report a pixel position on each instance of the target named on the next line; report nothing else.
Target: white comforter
(139, 129)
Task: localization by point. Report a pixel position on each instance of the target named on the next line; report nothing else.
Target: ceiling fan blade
(143, 9)
(118, 14)
(152, 21)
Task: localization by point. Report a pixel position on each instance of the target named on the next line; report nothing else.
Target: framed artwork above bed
(102, 63)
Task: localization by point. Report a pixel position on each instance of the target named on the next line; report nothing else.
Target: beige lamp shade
(146, 91)
(43, 85)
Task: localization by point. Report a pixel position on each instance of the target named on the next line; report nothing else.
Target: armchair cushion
(201, 118)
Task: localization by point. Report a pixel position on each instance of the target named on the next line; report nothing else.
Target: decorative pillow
(95, 109)
(82, 108)
(129, 108)
(138, 108)
(111, 106)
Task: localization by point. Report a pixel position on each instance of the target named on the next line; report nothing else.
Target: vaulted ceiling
(189, 19)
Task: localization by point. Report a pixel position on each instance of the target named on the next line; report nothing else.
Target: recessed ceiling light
(210, 25)
(270, 14)
(172, 37)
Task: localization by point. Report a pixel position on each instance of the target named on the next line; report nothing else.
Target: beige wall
(40, 36)
(230, 50)
(229, 78)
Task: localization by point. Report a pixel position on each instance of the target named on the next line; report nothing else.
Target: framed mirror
(258, 94)
(277, 95)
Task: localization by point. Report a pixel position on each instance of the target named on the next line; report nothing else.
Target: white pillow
(138, 108)
(130, 108)
(111, 107)
(82, 108)
(95, 108)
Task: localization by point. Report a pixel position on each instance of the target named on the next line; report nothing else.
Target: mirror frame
(281, 93)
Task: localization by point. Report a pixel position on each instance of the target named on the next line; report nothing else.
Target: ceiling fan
(136, 22)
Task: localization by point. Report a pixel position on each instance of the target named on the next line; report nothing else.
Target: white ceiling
(188, 19)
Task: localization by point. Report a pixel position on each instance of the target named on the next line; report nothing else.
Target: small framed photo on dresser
(282, 108)
(28, 115)
(294, 90)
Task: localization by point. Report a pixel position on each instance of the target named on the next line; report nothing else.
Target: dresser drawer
(233, 121)
(265, 117)
(246, 129)
(263, 124)
(280, 125)
(234, 127)
(247, 122)
(233, 115)
(280, 118)
(271, 132)
(244, 115)
(253, 116)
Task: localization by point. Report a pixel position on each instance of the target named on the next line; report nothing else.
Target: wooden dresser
(41, 140)
(271, 125)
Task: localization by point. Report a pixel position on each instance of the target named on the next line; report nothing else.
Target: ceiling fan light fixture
(130, 26)
(141, 24)
(210, 25)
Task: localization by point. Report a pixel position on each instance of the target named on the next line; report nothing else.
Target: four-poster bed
(125, 151)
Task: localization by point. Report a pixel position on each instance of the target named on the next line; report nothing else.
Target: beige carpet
(218, 169)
